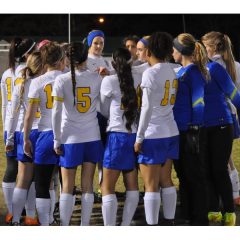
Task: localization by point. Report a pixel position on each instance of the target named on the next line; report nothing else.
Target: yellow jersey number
(83, 100)
(165, 99)
(48, 91)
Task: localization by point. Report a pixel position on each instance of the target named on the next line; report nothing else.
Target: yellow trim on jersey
(34, 100)
(233, 93)
(200, 100)
(58, 99)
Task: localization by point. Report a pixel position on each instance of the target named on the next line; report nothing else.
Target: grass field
(119, 188)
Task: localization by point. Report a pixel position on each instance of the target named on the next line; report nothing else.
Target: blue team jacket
(221, 86)
(189, 105)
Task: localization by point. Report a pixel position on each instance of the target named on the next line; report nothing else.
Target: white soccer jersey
(40, 91)
(79, 123)
(94, 62)
(16, 115)
(110, 89)
(8, 82)
(161, 82)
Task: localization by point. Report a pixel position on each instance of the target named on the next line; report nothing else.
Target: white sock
(66, 201)
(235, 182)
(87, 200)
(30, 205)
(8, 189)
(169, 201)
(130, 205)
(43, 206)
(152, 202)
(53, 201)
(74, 200)
(109, 209)
(18, 202)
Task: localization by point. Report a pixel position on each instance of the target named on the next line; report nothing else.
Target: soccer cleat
(29, 221)
(229, 219)
(8, 218)
(15, 224)
(215, 217)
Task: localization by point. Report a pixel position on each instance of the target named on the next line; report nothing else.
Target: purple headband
(144, 41)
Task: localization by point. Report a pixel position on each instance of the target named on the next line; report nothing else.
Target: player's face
(132, 48)
(177, 55)
(141, 52)
(97, 46)
(210, 50)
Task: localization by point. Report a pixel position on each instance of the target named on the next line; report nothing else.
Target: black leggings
(191, 171)
(219, 148)
(11, 170)
(43, 176)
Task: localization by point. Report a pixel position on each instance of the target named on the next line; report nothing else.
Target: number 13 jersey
(161, 79)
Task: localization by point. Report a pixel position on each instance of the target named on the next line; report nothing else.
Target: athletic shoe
(29, 221)
(229, 219)
(215, 217)
(8, 218)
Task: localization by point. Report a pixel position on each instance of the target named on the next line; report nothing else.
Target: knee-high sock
(169, 200)
(130, 205)
(109, 209)
(86, 209)
(18, 201)
(152, 203)
(43, 206)
(66, 201)
(8, 189)
(235, 182)
(30, 204)
(74, 200)
(53, 201)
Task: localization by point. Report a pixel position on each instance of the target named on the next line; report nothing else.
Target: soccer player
(119, 103)
(189, 115)
(18, 53)
(76, 131)
(219, 49)
(157, 140)
(40, 96)
(25, 188)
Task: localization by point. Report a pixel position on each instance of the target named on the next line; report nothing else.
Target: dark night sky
(54, 26)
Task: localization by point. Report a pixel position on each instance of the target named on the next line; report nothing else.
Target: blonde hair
(33, 68)
(199, 53)
(222, 45)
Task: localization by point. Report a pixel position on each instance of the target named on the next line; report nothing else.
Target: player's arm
(4, 101)
(56, 123)
(13, 120)
(145, 116)
(105, 97)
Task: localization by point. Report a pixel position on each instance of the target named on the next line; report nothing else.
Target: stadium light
(101, 20)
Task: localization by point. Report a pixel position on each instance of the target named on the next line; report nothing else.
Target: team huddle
(64, 106)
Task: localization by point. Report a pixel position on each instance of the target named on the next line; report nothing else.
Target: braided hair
(78, 54)
(122, 65)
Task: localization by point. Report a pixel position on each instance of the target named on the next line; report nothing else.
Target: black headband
(187, 51)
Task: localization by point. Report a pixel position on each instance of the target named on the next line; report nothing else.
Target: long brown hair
(199, 53)
(222, 45)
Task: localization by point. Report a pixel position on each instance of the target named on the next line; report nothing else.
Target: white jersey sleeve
(57, 111)
(14, 115)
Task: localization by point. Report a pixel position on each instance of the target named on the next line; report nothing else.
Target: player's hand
(102, 71)
(27, 147)
(58, 151)
(9, 148)
(138, 147)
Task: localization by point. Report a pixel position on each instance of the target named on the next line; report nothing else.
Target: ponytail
(228, 58)
(201, 59)
(72, 67)
(13, 53)
(129, 100)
